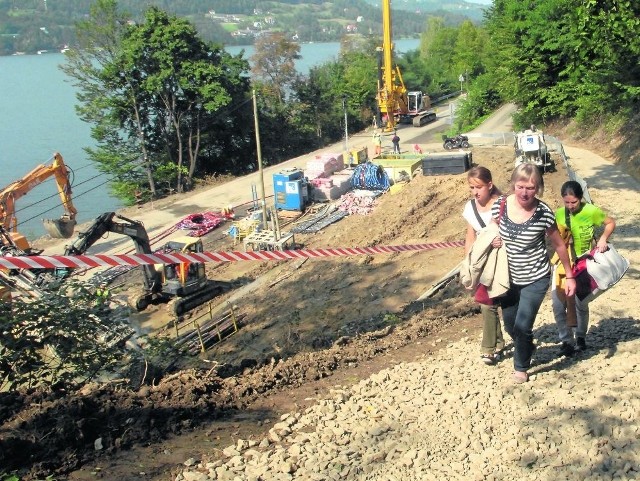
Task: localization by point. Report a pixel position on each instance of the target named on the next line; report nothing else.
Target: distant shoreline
(66, 48)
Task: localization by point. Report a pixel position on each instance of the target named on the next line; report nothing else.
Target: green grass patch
(230, 27)
(20, 12)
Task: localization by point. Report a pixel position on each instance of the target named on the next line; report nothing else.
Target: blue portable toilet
(290, 189)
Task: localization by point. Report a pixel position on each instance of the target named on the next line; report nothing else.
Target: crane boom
(392, 93)
(394, 102)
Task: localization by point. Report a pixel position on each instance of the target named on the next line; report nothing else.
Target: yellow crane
(395, 104)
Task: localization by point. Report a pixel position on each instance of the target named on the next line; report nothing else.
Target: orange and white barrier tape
(105, 260)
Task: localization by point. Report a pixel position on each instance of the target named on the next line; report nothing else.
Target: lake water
(317, 53)
(38, 118)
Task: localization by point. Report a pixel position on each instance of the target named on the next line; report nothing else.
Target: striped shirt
(525, 243)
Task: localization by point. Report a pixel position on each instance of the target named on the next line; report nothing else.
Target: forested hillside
(29, 26)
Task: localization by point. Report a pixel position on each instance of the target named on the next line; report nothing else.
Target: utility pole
(259, 151)
(346, 130)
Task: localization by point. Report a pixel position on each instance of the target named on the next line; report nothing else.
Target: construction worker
(228, 213)
(395, 140)
(377, 142)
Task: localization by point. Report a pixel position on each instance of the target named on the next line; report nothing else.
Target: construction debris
(359, 202)
(202, 223)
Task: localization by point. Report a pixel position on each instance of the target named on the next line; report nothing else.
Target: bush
(62, 341)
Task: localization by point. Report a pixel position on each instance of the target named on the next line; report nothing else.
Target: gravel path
(448, 417)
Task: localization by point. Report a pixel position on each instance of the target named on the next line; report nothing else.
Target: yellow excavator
(61, 228)
(184, 285)
(395, 104)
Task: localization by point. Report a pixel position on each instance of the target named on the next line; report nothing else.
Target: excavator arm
(59, 228)
(132, 228)
(89, 237)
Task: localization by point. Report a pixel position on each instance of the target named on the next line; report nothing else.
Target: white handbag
(606, 268)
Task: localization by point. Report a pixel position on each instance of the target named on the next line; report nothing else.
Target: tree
(274, 63)
(609, 48)
(154, 92)
(469, 50)
(359, 84)
(182, 80)
(437, 49)
(106, 104)
(319, 112)
(565, 59)
(416, 72)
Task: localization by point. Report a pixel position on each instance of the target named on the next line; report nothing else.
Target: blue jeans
(519, 310)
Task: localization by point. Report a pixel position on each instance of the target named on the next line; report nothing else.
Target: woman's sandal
(492, 359)
(520, 377)
(488, 359)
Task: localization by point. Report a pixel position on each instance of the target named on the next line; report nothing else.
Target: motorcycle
(457, 142)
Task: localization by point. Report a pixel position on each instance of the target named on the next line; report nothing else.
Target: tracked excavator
(395, 104)
(184, 285)
(58, 228)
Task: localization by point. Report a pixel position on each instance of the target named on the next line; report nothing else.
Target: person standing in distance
(524, 225)
(477, 213)
(582, 218)
(377, 142)
(395, 140)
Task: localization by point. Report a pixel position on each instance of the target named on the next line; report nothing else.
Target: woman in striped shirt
(525, 221)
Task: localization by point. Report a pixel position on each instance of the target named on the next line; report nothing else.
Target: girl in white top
(477, 213)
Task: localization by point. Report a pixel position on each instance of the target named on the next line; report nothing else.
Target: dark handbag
(585, 284)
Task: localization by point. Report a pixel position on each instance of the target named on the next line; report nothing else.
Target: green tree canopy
(157, 97)
(565, 59)
(274, 63)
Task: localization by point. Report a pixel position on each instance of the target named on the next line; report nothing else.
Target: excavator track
(182, 305)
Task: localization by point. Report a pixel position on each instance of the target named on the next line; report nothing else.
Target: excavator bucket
(59, 228)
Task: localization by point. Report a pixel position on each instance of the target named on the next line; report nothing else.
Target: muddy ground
(307, 326)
